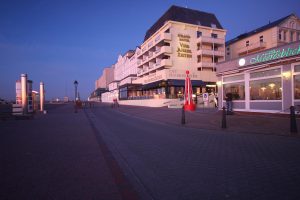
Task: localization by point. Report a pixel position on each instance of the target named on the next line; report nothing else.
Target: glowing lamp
(286, 74)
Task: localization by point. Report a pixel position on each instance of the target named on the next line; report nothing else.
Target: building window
(298, 35)
(198, 46)
(261, 74)
(198, 59)
(214, 59)
(261, 38)
(284, 35)
(235, 85)
(213, 35)
(236, 89)
(291, 36)
(266, 89)
(297, 82)
(214, 47)
(199, 34)
(233, 78)
(247, 43)
(266, 85)
(279, 36)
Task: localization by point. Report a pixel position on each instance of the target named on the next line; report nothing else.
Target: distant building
(273, 34)
(262, 68)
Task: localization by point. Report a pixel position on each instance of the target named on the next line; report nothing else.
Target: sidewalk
(211, 119)
(55, 156)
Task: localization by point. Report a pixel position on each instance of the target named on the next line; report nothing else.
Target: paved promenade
(211, 119)
(57, 156)
(145, 153)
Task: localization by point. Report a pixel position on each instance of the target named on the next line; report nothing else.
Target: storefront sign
(184, 49)
(275, 54)
(205, 96)
(180, 74)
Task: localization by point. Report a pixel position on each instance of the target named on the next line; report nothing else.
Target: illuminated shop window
(260, 74)
(233, 78)
(236, 89)
(297, 82)
(266, 89)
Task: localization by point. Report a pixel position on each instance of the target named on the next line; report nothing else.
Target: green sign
(275, 54)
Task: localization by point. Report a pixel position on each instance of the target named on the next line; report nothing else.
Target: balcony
(164, 49)
(211, 40)
(150, 54)
(166, 36)
(205, 64)
(163, 36)
(166, 63)
(217, 53)
(252, 47)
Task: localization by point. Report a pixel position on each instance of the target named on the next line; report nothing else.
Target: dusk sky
(59, 41)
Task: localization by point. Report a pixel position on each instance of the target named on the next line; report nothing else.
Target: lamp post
(75, 84)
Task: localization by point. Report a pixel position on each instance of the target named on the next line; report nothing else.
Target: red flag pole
(188, 96)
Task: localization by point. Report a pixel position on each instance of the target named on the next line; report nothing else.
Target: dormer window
(199, 23)
(261, 38)
(213, 25)
(213, 35)
(199, 34)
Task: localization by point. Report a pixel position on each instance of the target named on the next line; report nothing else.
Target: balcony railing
(204, 39)
(166, 63)
(252, 47)
(205, 64)
(157, 50)
(211, 52)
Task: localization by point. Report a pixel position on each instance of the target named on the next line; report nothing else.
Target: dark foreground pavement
(56, 156)
(123, 153)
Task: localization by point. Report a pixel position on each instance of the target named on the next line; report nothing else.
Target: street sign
(205, 96)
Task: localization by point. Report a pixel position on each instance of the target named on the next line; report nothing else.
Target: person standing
(228, 99)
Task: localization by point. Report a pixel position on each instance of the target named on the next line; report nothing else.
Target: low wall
(146, 102)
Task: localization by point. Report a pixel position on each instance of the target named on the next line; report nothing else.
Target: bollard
(183, 116)
(224, 117)
(293, 120)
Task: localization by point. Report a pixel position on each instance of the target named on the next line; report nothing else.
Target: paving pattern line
(126, 189)
(114, 152)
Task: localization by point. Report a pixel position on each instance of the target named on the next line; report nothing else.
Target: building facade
(264, 79)
(277, 33)
(182, 39)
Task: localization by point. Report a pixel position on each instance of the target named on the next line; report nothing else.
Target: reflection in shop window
(266, 89)
(236, 89)
(297, 86)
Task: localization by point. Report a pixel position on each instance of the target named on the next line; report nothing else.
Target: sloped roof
(185, 15)
(258, 30)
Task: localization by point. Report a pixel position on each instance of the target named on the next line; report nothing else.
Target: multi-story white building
(182, 39)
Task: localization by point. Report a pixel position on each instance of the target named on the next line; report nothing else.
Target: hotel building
(262, 68)
(182, 39)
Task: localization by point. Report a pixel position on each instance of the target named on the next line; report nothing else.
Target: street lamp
(75, 84)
